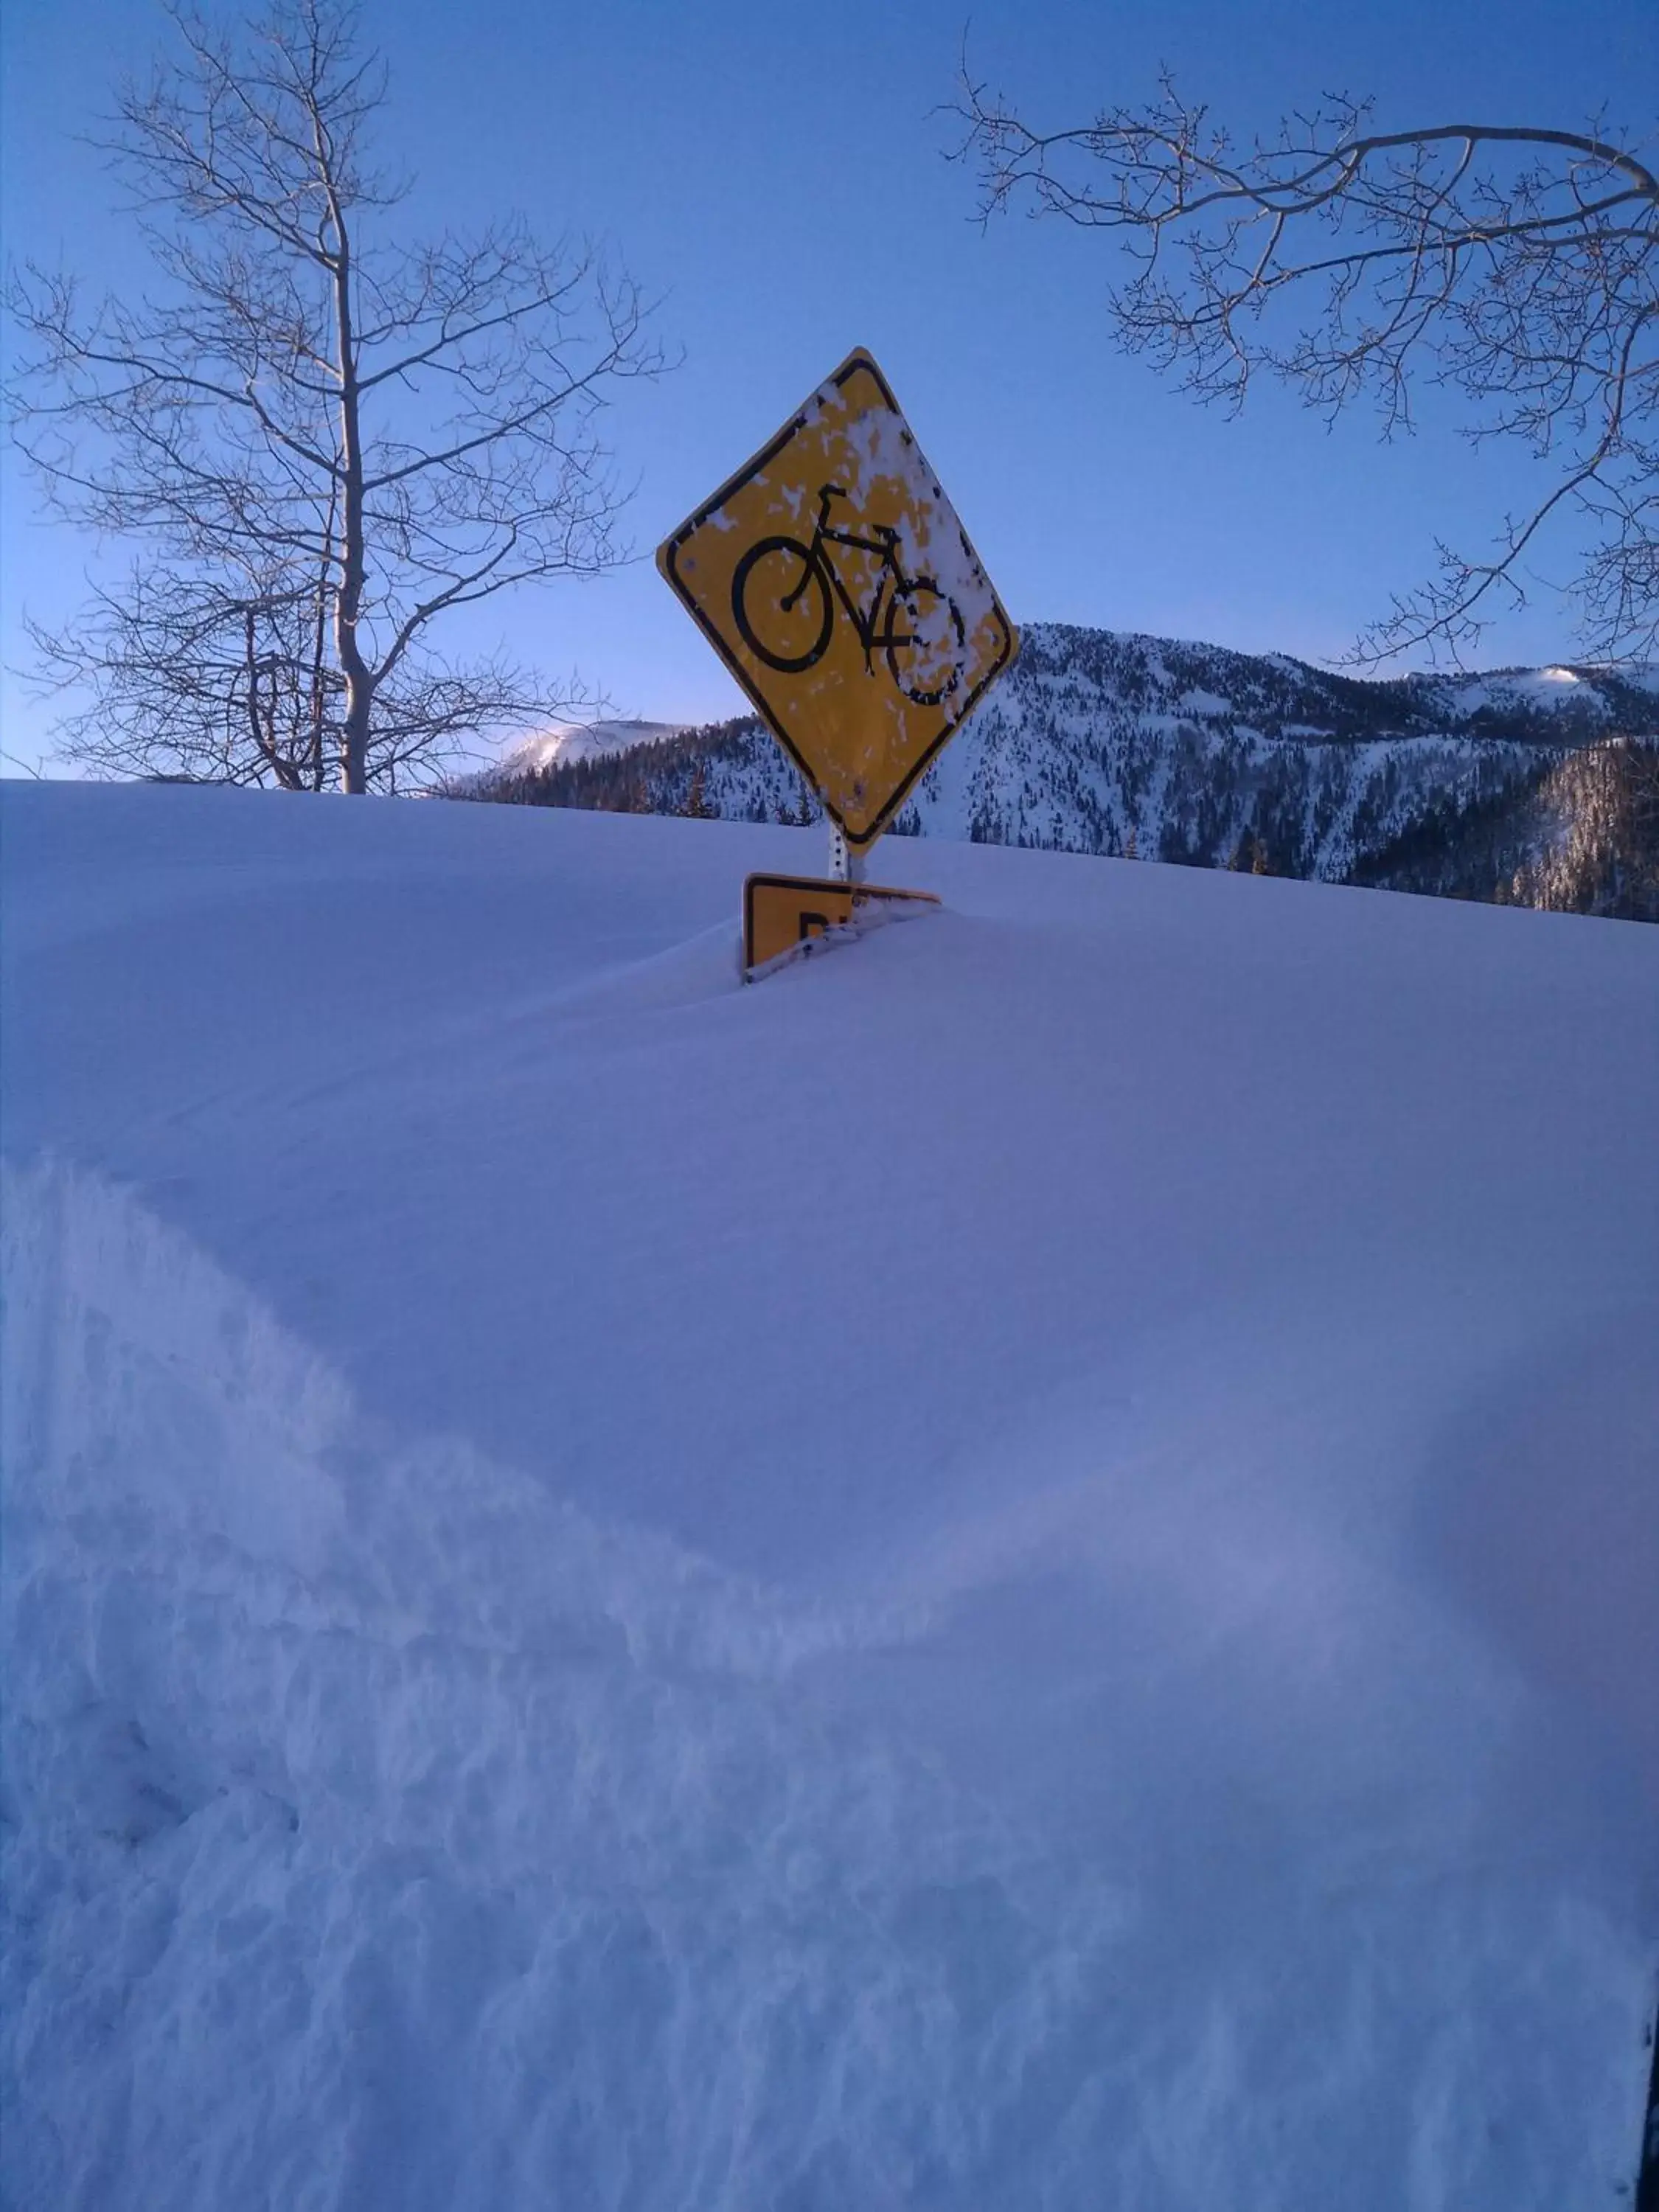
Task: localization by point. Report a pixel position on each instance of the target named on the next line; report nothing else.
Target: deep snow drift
(1013, 1569)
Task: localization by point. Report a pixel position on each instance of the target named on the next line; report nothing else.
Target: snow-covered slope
(1098, 742)
(1012, 1569)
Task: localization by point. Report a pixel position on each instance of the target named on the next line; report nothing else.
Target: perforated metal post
(845, 867)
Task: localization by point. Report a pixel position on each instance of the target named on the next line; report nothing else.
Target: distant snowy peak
(1600, 695)
(563, 742)
(1277, 695)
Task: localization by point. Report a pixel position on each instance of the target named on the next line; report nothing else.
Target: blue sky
(775, 176)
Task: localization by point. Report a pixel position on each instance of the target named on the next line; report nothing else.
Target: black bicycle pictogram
(783, 599)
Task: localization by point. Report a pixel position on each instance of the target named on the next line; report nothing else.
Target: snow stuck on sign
(1013, 1569)
(833, 577)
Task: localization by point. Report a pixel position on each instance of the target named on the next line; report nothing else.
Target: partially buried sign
(832, 576)
(782, 914)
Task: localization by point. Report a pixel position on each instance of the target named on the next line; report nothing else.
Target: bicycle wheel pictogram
(782, 605)
(925, 658)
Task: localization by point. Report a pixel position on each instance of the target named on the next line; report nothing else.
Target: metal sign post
(846, 864)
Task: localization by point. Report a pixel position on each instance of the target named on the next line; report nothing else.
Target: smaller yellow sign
(783, 913)
(832, 575)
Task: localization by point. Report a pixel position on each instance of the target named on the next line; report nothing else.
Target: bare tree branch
(1515, 265)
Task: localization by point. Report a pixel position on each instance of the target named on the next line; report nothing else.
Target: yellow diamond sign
(832, 575)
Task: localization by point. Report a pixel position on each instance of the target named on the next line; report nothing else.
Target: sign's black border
(858, 358)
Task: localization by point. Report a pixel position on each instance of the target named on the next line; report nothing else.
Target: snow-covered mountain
(563, 742)
(1108, 742)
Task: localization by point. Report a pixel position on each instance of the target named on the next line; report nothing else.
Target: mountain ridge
(1124, 745)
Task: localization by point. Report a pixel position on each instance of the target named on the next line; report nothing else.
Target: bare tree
(1517, 266)
(327, 442)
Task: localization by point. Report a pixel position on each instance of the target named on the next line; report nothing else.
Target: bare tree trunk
(348, 604)
(320, 646)
(264, 738)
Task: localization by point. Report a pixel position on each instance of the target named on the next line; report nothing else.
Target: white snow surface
(1013, 1569)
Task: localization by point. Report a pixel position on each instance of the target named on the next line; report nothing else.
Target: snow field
(483, 1875)
(1012, 1569)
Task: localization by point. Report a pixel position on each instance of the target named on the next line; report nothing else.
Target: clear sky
(775, 176)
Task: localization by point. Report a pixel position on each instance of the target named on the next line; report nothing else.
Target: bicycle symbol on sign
(784, 595)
